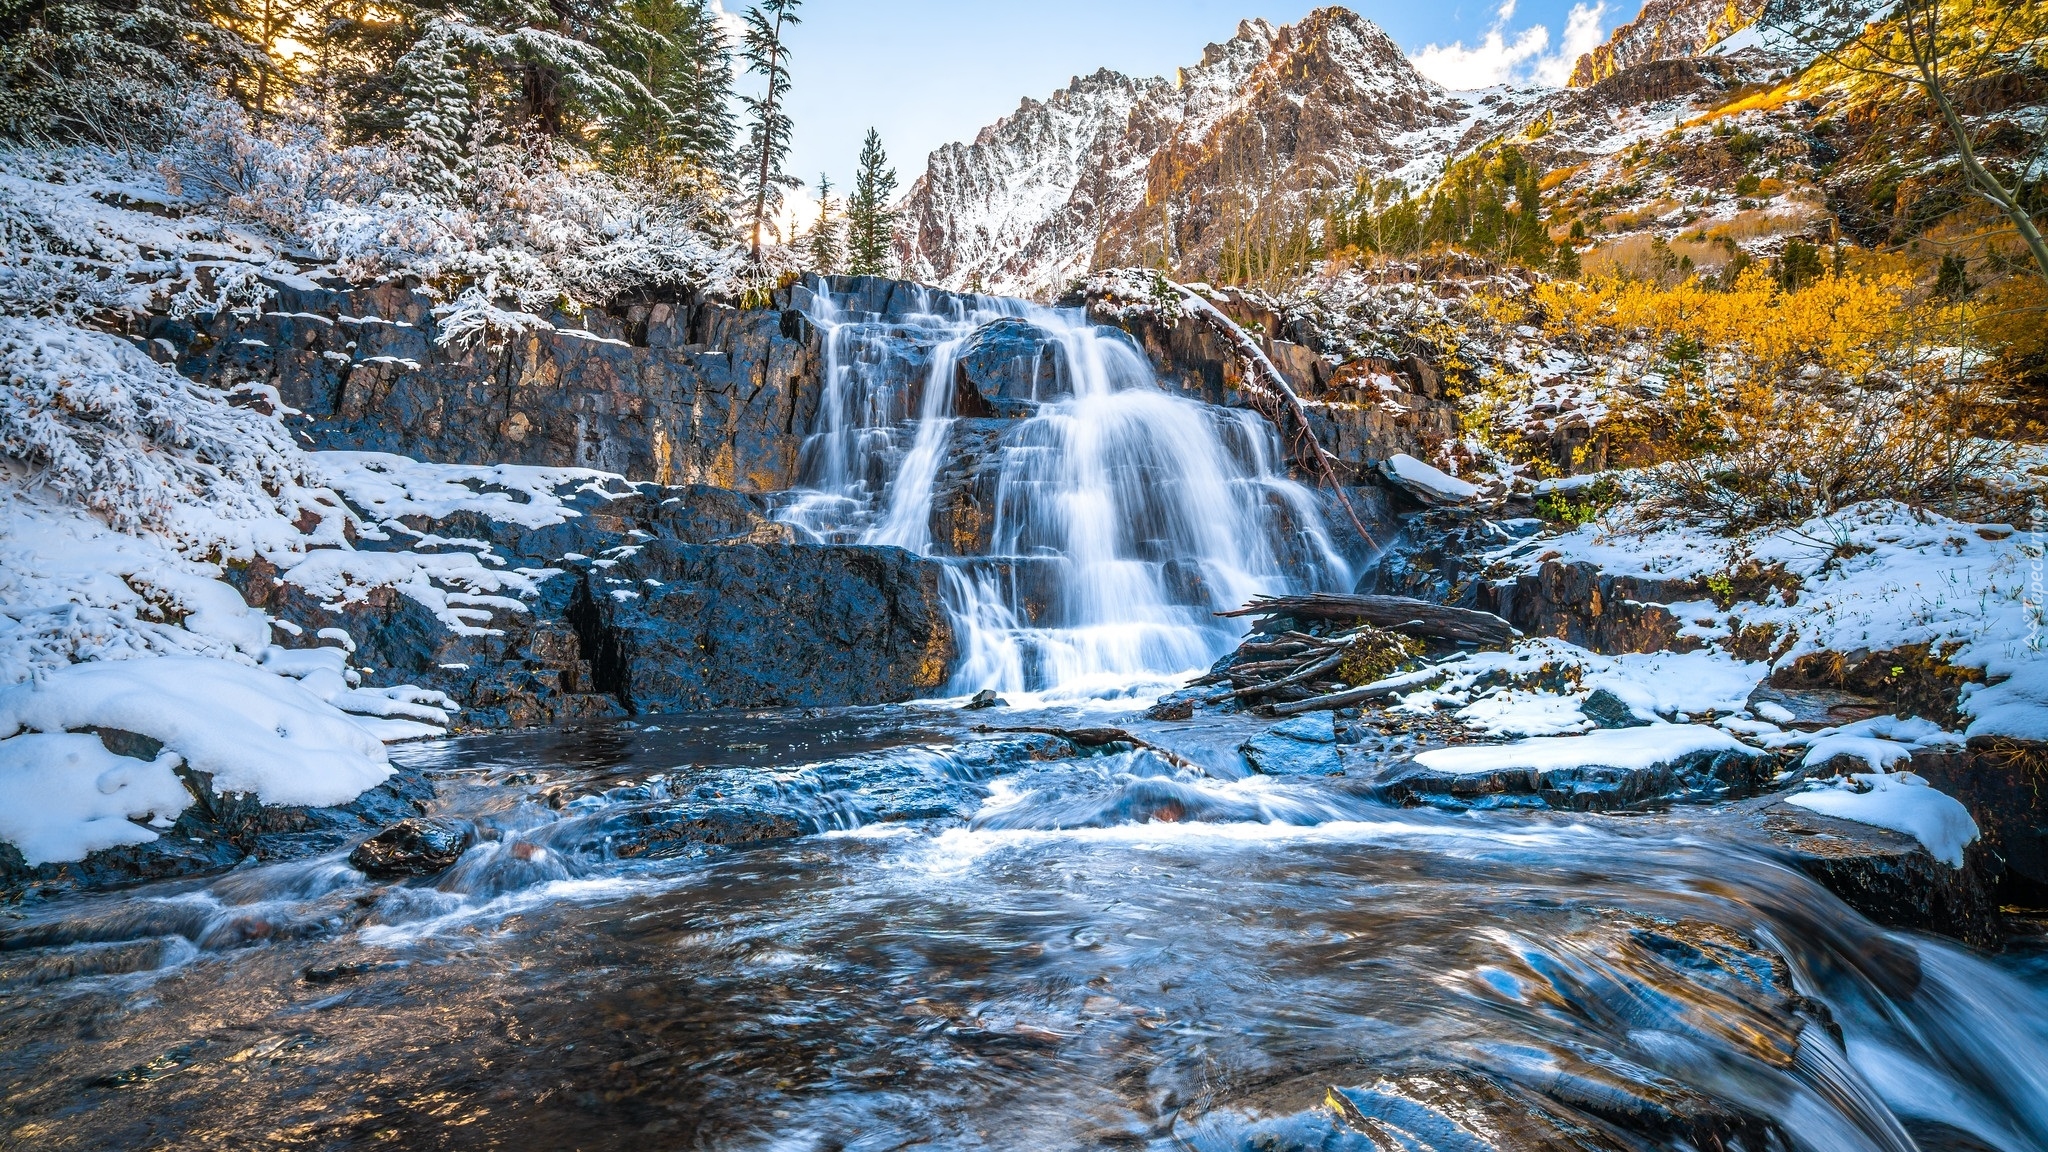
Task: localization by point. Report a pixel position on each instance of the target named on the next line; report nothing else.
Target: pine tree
(438, 111)
(825, 250)
(114, 72)
(679, 54)
(544, 67)
(870, 220)
(768, 141)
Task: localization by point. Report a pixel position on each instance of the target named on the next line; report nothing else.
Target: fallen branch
(1378, 690)
(1265, 382)
(1395, 613)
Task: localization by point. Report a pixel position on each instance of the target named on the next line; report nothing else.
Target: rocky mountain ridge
(1112, 169)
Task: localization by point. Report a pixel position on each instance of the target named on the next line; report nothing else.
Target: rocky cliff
(675, 391)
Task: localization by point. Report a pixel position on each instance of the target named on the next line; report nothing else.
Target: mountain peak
(1666, 29)
(1265, 120)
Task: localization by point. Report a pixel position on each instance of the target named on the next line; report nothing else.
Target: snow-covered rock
(1901, 802)
(1431, 483)
(251, 731)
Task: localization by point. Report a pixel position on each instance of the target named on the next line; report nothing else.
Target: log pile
(1343, 650)
(1397, 613)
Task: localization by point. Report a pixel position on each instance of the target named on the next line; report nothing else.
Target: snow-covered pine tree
(768, 138)
(538, 66)
(438, 110)
(114, 72)
(679, 54)
(823, 246)
(870, 219)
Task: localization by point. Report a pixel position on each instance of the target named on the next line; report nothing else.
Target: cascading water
(1121, 517)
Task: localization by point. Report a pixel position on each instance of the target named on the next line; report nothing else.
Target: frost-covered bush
(104, 426)
(533, 219)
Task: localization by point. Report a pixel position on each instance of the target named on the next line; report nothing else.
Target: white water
(1124, 516)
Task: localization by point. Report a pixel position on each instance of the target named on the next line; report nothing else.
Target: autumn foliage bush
(1752, 403)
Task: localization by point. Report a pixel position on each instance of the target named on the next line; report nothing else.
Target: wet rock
(2003, 783)
(1303, 746)
(1888, 876)
(1172, 708)
(1607, 710)
(987, 698)
(673, 829)
(1811, 708)
(1008, 367)
(217, 833)
(677, 628)
(421, 847)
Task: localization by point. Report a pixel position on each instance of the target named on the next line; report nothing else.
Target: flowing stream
(1123, 515)
(960, 943)
(923, 927)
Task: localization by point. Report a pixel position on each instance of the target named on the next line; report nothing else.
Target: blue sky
(925, 72)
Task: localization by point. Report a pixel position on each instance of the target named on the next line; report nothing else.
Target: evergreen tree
(541, 66)
(679, 55)
(768, 140)
(438, 111)
(1953, 281)
(825, 250)
(1799, 266)
(870, 220)
(115, 72)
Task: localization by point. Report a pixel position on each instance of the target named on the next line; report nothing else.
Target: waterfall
(1107, 520)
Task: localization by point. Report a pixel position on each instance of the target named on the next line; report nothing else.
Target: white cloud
(731, 23)
(1523, 57)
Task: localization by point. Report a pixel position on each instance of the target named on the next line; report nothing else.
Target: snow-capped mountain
(1123, 170)
(1666, 30)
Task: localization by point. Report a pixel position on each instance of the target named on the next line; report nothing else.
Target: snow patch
(1901, 802)
(1629, 749)
(252, 731)
(64, 796)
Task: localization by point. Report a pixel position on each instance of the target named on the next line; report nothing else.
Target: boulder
(1427, 483)
(1607, 710)
(1888, 876)
(1008, 367)
(1605, 771)
(418, 847)
(1303, 746)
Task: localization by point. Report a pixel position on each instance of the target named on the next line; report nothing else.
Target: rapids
(967, 946)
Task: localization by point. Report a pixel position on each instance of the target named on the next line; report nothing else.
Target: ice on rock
(251, 731)
(64, 795)
(1901, 802)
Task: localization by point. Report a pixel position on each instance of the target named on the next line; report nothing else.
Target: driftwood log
(1394, 613)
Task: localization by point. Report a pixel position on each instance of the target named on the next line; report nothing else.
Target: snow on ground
(1873, 577)
(1901, 802)
(1496, 691)
(125, 489)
